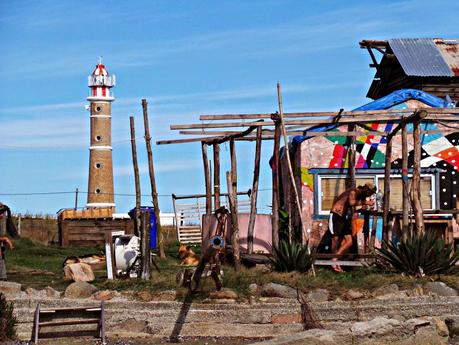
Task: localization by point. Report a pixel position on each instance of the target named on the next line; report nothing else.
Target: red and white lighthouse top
(101, 82)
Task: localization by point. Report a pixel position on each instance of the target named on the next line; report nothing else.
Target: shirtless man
(340, 228)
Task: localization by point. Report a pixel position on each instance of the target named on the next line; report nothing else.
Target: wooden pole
(76, 199)
(405, 181)
(386, 198)
(207, 179)
(233, 166)
(253, 197)
(137, 181)
(275, 182)
(216, 149)
(151, 171)
(351, 157)
(416, 181)
(145, 246)
(234, 223)
(290, 169)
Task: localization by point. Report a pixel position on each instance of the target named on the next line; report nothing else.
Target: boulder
(10, 287)
(31, 293)
(133, 325)
(104, 295)
(167, 296)
(440, 289)
(441, 327)
(453, 325)
(79, 290)
(278, 290)
(224, 294)
(79, 272)
(353, 294)
(50, 292)
(377, 326)
(145, 296)
(385, 290)
(318, 295)
(253, 289)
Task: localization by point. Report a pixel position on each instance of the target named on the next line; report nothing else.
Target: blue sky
(187, 58)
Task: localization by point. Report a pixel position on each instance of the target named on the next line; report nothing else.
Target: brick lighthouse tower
(100, 183)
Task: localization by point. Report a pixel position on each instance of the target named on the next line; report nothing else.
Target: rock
(79, 272)
(167, 296)
(104, 295)
(223, 294)
(79, 290)
(253, 289)
(441, 327)
(50, 292)
(31, 292)
(453, 325)
(385, 289)
(440, 289)
(133, 325)
(220, 301)
(416, 291)
(145, 296)
(10, 287)
(278, 290)
(377, 326)
(318, 295)
(353, 294)
(392, 296)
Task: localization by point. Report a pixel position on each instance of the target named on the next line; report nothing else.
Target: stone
(104, 295)
(133, 325)
(79, 272)
(441, 327)
(10, 287)
(253, 289)
(278, 290)
(318, 295)
(286, 318)
(50, 292)
(416, 291)
(393, 295)
(167, 296)
(31, 292)
(439, 288)
(79, 290)
(385, 289)
(223, 294)
(377, 326)
(145, 296)
(353, 294)
(453, 325)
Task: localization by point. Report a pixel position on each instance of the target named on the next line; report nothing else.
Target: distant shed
(427, 64)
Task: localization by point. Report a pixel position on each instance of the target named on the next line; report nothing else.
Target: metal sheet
(420, 57)
(449, 49)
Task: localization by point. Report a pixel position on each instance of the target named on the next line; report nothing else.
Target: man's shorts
(338, 225)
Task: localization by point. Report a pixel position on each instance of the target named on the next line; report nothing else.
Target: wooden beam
(254, 195)
(234, 222)
(351, 157)
(405, 182)
(216, 151)
(207, 179)
(386, 197)
(275, 185)
(416, 179)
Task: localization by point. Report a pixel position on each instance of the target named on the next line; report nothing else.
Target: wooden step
(68, 322)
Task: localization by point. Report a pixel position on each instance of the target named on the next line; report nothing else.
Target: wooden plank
(253, 197)
(275, 185)
(68, 322)
(136, 176)
(207, 179)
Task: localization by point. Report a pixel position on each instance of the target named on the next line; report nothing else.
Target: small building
(321, 164)
(427, 64)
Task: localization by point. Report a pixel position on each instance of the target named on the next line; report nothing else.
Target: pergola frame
(269, 127)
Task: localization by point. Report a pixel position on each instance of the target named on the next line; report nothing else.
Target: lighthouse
(100, 182)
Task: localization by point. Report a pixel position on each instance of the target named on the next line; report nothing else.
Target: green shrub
(418, 255)
(288, 257)
(7, 319)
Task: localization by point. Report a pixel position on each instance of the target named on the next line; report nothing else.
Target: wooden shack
(431, 65)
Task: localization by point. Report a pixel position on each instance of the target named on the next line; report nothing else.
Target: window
(98, 138)
(98, 109)
(99, 165)
(333, 185)
(97, 191)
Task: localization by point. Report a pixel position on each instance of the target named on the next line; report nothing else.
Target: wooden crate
(87, 213)
(90, 232)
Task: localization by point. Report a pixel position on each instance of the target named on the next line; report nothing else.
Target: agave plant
(419, 254)
(288, 257)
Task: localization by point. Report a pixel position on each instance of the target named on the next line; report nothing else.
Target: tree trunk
(253, 197)
(216, 149)
(405, 182)
(416, 181)
(234, 222)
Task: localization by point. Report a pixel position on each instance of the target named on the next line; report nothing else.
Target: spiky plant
(288, 257)
(7, 320)
(418, 255)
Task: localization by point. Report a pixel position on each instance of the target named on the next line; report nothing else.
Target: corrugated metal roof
(422, 57)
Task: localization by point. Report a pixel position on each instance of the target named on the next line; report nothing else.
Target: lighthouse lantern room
(100, 182)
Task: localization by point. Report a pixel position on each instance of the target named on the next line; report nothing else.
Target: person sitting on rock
(339, 223)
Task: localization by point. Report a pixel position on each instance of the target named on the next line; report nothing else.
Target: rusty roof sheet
(427, 57)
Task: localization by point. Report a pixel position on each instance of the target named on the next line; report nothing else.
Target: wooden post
(275, 183)
(405, 181)
(145, 273)
(234, 223)
(290, 168)
(386, 198)
(216, 149)
(253, 197)
(416, 181)
(207, 179)
(151, 171)
(351, 157)
(136, 178)
(76, 199)
(233, 166)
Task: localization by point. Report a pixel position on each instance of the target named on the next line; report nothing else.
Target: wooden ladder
(57, 317)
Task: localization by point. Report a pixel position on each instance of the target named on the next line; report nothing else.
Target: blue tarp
(382, 103)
